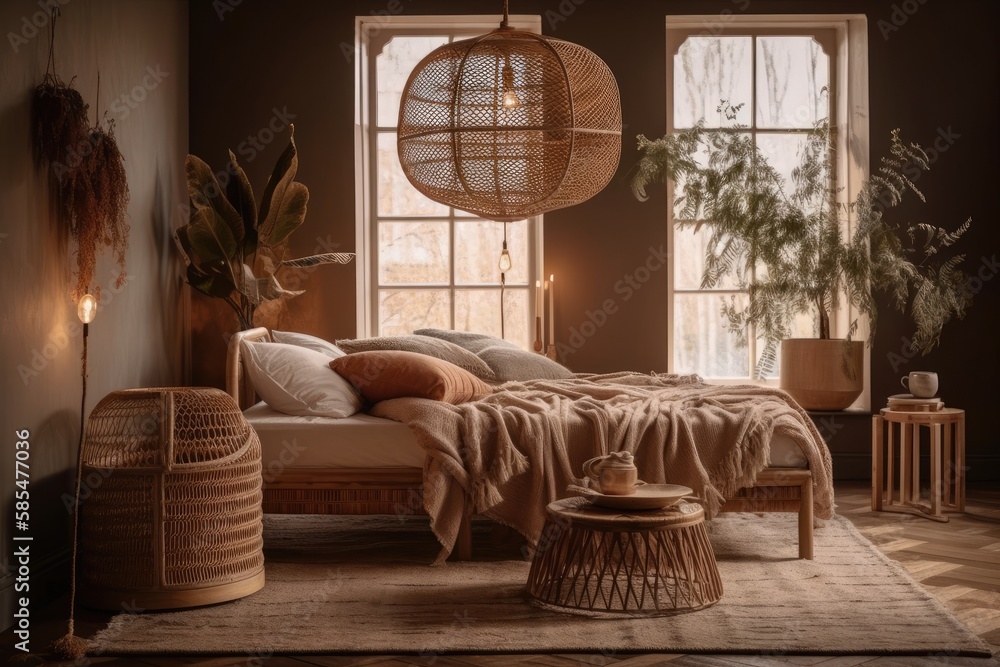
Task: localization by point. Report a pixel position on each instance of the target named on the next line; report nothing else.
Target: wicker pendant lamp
(510, 124)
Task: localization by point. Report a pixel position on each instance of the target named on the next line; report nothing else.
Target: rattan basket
(170, 501)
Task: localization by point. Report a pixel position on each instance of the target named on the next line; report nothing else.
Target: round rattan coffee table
(591, 559)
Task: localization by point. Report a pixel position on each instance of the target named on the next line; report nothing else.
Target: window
(783, 75)
(424, 264)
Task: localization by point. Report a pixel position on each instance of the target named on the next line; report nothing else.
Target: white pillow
(308, 342)
(298, 381)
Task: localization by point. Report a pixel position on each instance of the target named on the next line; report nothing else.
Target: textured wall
(924, 79)
(140, 49)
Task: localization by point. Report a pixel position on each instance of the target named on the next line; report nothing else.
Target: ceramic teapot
(615, 474)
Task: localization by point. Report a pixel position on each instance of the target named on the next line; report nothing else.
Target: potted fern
(787, 247)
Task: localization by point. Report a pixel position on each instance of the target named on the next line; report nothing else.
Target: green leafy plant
(235, 250)
(787, 245)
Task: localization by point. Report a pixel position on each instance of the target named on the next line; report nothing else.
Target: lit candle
(552, 309)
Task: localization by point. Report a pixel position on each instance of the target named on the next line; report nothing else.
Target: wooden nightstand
(946, 428)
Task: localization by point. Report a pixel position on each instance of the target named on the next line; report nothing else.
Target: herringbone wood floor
(957, 562)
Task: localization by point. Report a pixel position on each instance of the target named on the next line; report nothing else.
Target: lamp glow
(505, 262)
(86, 309)
(510, 98)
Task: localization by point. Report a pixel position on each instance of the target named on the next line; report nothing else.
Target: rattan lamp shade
(557, 143)
(170, 501)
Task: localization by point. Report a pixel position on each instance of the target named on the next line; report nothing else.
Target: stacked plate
(910, 403)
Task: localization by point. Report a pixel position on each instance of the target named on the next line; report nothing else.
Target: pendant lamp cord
(503, 24)
(503, 279)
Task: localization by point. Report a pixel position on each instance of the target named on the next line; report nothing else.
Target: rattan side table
(591, 559)
(170, 512)
(947, 460)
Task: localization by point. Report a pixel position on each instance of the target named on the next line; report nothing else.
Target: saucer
(646, 497)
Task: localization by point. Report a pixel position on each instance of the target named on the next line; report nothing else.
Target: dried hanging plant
(58, 112)
(97, 200)
(87, 170)
(59, 119)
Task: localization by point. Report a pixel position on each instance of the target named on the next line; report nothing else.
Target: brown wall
(938, 70)
(137, 336)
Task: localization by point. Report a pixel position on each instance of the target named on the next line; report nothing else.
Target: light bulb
(86, 309)
(505, 263)
(510, 98)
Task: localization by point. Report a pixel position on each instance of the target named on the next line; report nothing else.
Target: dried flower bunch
(87, 172)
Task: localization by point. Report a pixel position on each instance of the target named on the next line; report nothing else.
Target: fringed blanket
(518, 449)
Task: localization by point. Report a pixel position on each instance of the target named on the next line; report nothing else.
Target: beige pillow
(432, 347)
(473, 342)
(516, 364)
(384, 374)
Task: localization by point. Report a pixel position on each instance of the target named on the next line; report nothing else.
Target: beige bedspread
(517, 450)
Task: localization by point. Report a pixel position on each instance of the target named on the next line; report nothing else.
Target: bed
(365, 464)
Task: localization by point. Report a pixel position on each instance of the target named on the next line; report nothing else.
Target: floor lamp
(70, 646)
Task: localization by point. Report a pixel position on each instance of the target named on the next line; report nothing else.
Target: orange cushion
(383, 374)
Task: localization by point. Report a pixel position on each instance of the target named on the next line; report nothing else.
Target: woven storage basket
(170, 501)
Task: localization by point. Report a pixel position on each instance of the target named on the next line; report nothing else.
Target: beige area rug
(355, 585)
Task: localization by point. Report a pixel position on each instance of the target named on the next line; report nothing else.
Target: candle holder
(538, 334)
(551, 352)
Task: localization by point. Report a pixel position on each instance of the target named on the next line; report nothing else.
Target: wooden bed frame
(399, 491)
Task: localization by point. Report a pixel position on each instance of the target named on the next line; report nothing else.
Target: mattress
(364, 441)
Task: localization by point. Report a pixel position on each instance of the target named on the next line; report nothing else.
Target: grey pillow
(432, 347)
(473, 342)
(516, 364)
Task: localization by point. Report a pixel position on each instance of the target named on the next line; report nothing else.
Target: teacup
(922, 384)
(615, 474)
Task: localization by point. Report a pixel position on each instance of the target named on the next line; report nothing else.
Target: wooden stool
(652, 562)
(947, 460)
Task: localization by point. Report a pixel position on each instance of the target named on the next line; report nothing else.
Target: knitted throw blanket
(518, 449)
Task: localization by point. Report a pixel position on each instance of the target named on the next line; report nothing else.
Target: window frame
(845, 40)
(371, 33)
